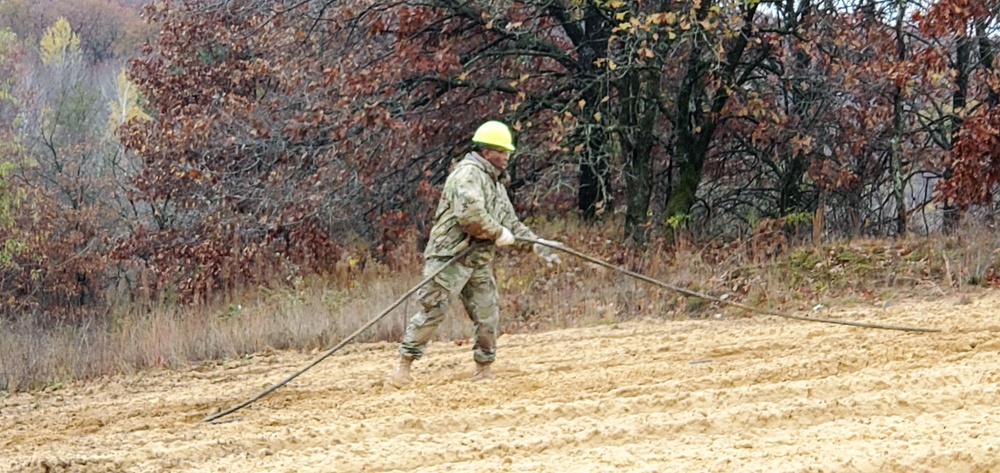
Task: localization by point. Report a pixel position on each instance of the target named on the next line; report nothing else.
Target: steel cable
(342, 343)
(688, 292)
(577, 254)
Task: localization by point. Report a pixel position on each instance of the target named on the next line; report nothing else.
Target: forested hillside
(181, 150)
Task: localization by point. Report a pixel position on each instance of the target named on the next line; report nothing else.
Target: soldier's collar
(490, 169)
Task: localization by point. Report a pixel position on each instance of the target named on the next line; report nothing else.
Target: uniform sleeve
(469, 203)
(511, 221)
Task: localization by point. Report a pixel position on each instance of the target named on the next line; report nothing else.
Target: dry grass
(315, 313)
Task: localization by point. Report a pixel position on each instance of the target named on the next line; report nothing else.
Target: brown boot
(482, 372)
(401, 375)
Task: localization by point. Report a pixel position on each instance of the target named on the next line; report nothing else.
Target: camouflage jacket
(473, 208)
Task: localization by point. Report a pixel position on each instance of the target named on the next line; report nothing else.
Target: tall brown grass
(314, 313)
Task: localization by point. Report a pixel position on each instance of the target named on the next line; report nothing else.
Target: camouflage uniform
(474, 208)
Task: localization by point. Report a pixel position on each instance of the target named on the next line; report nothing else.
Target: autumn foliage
(250, 142)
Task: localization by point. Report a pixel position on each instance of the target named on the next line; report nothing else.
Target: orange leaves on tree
(974, 163)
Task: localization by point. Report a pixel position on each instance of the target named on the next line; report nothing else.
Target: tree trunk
(590, 37)
(689, 168)
(695, 127)
(594, 193)
(951, 214)
(595, 171)
(987, 53)
(639, 115)
(792, 198)
(896, 146)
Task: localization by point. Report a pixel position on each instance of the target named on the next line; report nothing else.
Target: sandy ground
(757, 394)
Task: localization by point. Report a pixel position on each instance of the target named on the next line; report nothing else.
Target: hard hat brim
(497, 145)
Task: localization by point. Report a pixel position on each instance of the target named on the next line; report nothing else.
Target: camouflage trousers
(477, 290)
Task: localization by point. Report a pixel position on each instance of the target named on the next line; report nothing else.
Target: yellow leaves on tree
(59, 43)
(126, 105)
(10, 196)
(10, 199)
(7, 40)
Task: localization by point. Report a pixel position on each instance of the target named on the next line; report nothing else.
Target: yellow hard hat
(494, 133)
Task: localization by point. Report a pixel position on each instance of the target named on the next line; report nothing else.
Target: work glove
(546, 253)
(506, 238)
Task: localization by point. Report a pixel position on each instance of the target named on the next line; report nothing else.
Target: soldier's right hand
(506, 238)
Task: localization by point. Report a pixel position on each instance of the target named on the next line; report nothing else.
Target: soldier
(474, 210)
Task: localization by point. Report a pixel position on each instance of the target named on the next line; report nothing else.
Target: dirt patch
(760, 394)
